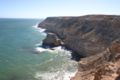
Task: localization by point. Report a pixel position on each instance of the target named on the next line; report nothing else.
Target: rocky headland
(94, 41)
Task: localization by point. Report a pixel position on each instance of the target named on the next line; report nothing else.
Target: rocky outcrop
(85, 35)
(103, 66)
(94, 40)
(52, 41)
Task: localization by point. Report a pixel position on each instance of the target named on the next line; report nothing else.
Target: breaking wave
(41, 30)
(59, 67)
(59, 75)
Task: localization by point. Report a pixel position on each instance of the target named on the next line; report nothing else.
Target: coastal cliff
(94, 41)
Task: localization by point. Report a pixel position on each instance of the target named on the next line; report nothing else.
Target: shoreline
(91, 42)
(59, 49)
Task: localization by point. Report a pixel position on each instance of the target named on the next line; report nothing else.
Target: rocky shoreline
(94, 41)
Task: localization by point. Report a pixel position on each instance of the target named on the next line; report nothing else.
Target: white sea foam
(36, 25)
(40, 49)
(59, 49)
(65, 72)
(41, 30)
(38, 44)
(59, 75)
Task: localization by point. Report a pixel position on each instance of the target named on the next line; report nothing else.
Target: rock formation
(102, 66)
(94, 38)
(86, 35)
(52, 41)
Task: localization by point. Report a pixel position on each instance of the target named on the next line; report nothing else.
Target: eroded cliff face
(94, 38)
(86, 35)
(102, 66)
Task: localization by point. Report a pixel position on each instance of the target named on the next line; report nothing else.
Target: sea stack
(94, 38)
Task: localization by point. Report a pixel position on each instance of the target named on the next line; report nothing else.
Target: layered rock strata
(94, 41)
(85, 35)
(102, 66)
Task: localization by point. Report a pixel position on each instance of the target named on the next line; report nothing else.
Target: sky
(47, 8)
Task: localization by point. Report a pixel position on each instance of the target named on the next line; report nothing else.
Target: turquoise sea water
(20, 58)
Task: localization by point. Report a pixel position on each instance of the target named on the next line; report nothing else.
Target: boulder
(52, 40)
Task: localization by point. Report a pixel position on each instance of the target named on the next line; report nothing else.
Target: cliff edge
(94, 41)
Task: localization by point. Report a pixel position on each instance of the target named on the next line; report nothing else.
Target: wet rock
(52, 40)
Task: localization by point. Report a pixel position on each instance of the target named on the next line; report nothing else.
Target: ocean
(22, 58)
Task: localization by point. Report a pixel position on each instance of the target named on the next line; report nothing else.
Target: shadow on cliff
(118, 78)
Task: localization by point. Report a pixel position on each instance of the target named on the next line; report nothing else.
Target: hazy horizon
(46, 8)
